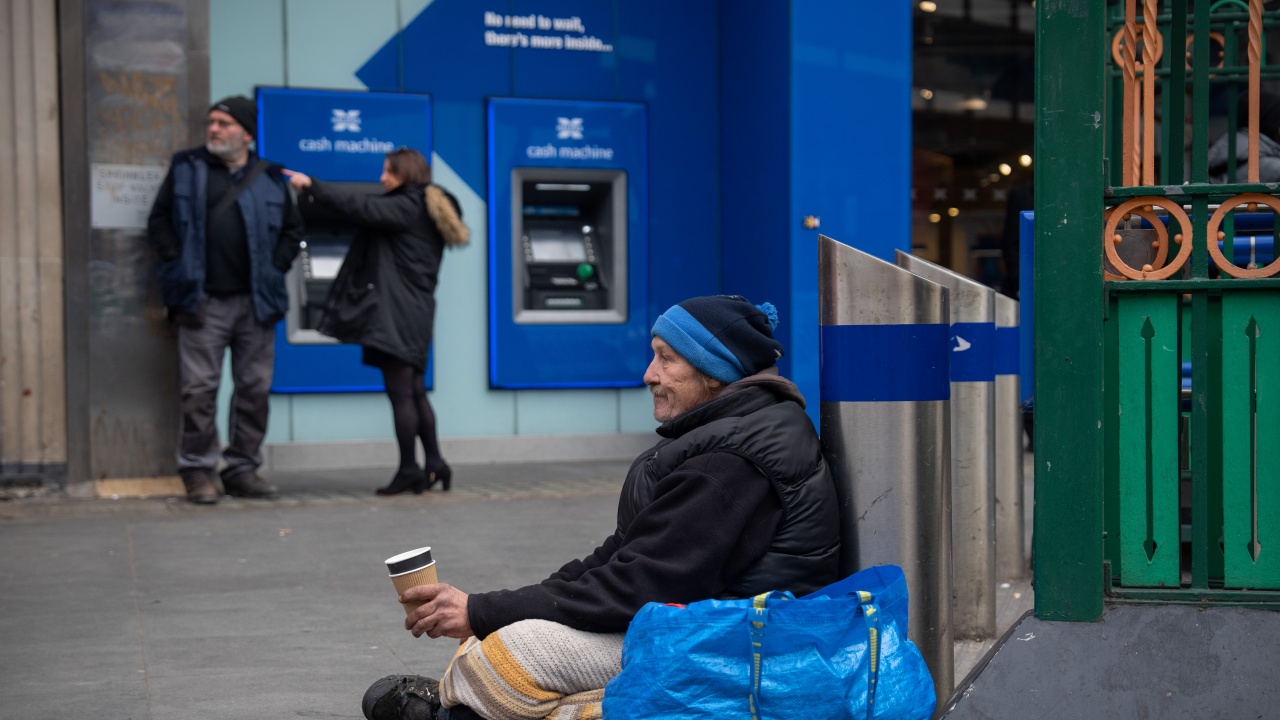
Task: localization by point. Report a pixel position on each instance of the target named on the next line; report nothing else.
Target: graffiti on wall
(141, 114)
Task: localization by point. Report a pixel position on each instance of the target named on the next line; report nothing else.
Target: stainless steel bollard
(1011, 554)
(973, 456)
(886, 432)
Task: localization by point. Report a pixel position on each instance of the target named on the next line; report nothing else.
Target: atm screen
(556, 245)
(325, 267)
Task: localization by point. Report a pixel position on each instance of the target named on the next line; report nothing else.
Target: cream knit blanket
(533, 669)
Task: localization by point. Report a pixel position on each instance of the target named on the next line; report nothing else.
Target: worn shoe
(405, 480)
(438, 472)
(402, 697)
(250, 485)
(200, 487)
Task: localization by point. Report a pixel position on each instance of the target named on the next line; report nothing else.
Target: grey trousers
(228, 323)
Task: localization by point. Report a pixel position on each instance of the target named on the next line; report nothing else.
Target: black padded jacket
(735, 500)
(384, 294)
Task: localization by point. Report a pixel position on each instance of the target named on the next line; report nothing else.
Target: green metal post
(1201, 351)
(1070, 87)
(1111, 441)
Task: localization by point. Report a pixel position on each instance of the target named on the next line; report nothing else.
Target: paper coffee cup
(411, 569)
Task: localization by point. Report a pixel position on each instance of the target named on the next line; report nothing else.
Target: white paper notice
(121, 195)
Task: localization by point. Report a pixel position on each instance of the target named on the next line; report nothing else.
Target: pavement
(1173, 662)
(152, 609)
(155, 608)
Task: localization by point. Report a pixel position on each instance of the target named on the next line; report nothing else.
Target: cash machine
(323, 252)
(570, 265)
(568, 250)
(341, 138)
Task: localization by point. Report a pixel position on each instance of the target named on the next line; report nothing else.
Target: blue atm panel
(339, 137)
(568, 244)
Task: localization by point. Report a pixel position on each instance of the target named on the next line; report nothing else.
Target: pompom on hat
(724, 336)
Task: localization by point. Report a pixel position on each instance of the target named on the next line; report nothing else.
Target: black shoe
(406, 479)
(200, 487)
(402, 697)
(249, 485)
(439, 472)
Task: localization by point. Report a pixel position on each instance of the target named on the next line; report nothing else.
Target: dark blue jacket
(177, 230)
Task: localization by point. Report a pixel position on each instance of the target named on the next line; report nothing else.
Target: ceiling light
(1025, 161)
(935, 217)
(994, 177)
(953, 211)
(928, 5)
(926, 93)
(1005, 169)
(973, 103)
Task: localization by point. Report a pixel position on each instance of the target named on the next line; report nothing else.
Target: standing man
(226, 228)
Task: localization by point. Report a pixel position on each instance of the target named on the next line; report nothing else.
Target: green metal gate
(1147, 491)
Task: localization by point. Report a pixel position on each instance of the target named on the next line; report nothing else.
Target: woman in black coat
(384, 296)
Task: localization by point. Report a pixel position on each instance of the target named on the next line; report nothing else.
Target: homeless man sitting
(736, 446)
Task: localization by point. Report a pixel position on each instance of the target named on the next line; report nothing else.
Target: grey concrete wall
(135, 89)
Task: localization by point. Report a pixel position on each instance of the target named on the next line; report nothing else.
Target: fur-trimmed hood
(443, 209)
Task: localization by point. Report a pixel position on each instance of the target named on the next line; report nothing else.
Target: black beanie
(242, 109)
(724, 336)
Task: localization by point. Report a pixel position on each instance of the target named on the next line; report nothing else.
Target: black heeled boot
(402, 697)
(406, 479)
(439, 472)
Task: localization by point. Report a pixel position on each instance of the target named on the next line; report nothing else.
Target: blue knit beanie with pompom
(724, 336)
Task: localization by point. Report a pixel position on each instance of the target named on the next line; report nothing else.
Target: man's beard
(225, 151)
(671, 413)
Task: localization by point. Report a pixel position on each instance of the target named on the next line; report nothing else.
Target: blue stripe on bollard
(884, 363)
(973, 352)
(1007, 348)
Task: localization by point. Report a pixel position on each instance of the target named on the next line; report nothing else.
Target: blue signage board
(322, 368)
(338, 136)
(562, 136)
(328, 368)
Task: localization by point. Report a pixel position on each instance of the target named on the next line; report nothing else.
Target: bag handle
(871, 616)
(230, 196)
(760, 617)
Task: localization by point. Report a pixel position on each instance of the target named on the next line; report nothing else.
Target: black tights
(413, 415)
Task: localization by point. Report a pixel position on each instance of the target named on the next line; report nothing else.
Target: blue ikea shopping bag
(840, 652)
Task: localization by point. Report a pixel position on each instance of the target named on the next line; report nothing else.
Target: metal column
(1011, 556)
(886, 432)
(973, 497)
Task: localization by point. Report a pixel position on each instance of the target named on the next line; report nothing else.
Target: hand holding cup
(442, 612)
(411, 569)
